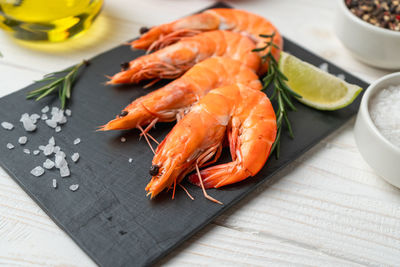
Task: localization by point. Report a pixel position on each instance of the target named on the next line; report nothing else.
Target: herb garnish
(281, 91)
(63, 83)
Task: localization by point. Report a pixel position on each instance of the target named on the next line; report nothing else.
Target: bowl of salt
(377, 128)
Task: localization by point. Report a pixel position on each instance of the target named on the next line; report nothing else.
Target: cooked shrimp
(172, 61)
(173, 100)
(246, 115)
(241, 21)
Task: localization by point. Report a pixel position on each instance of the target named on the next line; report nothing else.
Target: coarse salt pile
(57, 117)
(54, 156)
(384, 109)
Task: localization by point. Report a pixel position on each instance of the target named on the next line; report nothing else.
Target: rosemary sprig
(61, 81)
(281, 91)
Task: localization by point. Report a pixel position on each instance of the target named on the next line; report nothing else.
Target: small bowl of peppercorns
(370, 29)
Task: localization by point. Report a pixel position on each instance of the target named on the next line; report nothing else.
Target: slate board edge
(226, 207)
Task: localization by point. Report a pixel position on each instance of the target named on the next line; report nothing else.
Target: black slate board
(110, 217)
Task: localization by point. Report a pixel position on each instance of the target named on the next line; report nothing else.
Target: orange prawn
(174, 100)
(172, 61)
(235, 20)
(246, 115)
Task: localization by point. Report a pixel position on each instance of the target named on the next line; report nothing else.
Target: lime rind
(309, 81)
(354, 91)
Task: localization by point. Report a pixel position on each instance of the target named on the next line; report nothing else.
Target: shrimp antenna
(152, 138)
(173, 192)
(146, 131)
(187, 192)
(204, 190)
(147, 140)
(152, 83)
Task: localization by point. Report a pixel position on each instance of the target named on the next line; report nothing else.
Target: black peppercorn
(381, 13)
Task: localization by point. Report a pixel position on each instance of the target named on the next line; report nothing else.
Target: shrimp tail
(220, 175)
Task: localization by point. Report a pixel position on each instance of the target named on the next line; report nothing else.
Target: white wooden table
(326, 208)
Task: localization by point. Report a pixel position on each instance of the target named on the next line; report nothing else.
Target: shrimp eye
(143, 30)
(123, 113)
(125, 65)
(154, 169)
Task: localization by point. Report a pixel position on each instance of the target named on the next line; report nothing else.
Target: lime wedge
(318, 88)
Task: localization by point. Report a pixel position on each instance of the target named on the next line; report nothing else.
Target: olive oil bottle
(48, 20)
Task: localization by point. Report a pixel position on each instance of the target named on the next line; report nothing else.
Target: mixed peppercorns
(381, 13)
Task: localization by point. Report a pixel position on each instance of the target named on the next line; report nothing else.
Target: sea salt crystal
(61, 154)
(54, 110)
(63, 120)
(68, 112)
(37, 171)
(6, 125)
(45, 109)
(52, 141)
(48, 164)
(34, 117)
(51, 123)
(123, 139)
(59, 162)
(58, 129)
(56, 149)
(10, 146)
(324, 67)
(27, 151)
(48, 150)
(54, 183)
(74, 187)
(75, 157)
(130, 160)
(77, 141)
(27, 122)
(44, 117)
(22, 140)
(64, 171)
(341, 76)
(58, 116)
(36, 152)
(60, 159)
(385, 113)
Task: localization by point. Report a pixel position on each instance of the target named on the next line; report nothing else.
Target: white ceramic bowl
(378, 152)
(370, 44)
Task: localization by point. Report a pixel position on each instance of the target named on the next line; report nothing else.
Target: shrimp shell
(244, 114)
(175, 99)
(235, 20)
(174, 60)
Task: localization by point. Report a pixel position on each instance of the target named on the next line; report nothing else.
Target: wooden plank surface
(327, 208)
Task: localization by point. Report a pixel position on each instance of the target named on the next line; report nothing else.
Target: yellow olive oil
(48, 20)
